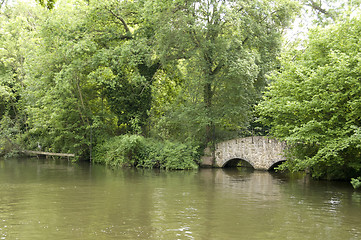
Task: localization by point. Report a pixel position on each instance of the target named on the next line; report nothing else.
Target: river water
(57, 199)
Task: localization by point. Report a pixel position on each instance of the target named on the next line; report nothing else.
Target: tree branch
(217, 69)
(245, 40)
(194, 38)
(318, 8)
(82, 103)
(120, 19)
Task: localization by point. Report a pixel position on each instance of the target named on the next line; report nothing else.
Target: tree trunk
(208, 105)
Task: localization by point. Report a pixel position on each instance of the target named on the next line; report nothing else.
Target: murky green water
(47, 199)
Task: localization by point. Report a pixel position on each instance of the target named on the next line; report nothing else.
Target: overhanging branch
(121, 20)
(318, 8)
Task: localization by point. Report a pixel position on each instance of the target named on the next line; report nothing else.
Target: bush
(168, 155)
(356, 182)
(120, 151)
(137, 151)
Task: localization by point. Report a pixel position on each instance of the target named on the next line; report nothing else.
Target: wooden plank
(49, 153)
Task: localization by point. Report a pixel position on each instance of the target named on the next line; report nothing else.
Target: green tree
(313, 103)
(221, 50)
(327, 11)
(63, 103)
(127, 38)
(90, 76)
(98, 69)
(49, 4)
(18, 28)
(318, 13)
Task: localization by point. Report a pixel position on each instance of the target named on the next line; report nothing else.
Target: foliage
(8, 133)
(81, 86)
(356, 182)
(49, 4)
(135, 150)
(126, 57)
(57, 92)
(87, 71)
(219, 52)
(121, 151)
(313, 103)
(323, 12)
(16, 41)
(169, 155)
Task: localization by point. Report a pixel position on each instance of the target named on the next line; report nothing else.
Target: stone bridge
(260, 152)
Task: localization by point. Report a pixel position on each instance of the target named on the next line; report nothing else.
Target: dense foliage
(90, 75)
(147, 83)
(314, 103)
(221, 51)
(137, 151)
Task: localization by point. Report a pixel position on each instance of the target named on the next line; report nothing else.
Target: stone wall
(261, 152)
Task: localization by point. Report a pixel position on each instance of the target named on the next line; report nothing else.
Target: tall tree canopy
(221, 51)
(17, 34)
(94, 70)
(181, 70)
(314, 102)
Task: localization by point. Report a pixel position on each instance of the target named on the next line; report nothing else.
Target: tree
(329, 11)
(18, 28)
(123, 32)
(95, 72)
(58, 93)
(221, 50)
(184, 69)
(313, 103)
(318, 13)
(49, 4)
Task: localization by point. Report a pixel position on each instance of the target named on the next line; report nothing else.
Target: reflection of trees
(284, 205)
(95, 202)
(328, 205)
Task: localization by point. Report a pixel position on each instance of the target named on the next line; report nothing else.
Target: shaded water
(55, 199)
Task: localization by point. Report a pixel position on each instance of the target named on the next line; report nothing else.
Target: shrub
(134, 150)
(356, 182)
(119, 151)
(168, 155)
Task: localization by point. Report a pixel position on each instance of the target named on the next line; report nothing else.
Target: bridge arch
(276, 164)
(234, 162)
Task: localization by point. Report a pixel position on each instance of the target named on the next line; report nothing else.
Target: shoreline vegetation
(153, 83)
(138, 151)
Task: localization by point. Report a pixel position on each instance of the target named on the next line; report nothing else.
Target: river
(57, 199)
